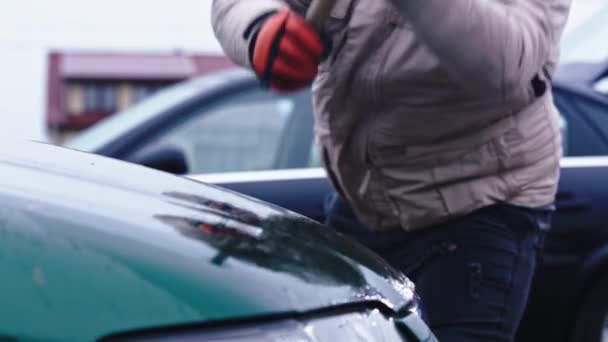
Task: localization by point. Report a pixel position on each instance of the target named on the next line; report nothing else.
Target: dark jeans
(472, 274)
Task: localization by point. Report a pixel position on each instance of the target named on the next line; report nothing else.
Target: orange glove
(286, 51)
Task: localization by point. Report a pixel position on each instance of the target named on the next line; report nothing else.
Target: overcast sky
(117, 24)
(29, 28)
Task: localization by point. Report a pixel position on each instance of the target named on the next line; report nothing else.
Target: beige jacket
(426, 109)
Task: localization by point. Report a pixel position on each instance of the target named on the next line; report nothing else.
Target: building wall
(86, 87)
(31, 29)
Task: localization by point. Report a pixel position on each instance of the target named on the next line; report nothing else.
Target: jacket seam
(503, 81)
(442, 197)
(547, 14)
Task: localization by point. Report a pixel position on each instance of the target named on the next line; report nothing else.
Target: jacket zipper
(372, 86)
(365, 183)
(369, 167)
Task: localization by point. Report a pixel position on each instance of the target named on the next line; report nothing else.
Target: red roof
(138, 66)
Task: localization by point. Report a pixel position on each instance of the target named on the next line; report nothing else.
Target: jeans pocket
(412, 263)
(534, 222)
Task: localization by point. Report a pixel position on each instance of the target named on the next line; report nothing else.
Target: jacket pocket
(472, 180)
(535, 146)
(412, 263)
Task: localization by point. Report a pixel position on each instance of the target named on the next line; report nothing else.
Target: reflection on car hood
(91, 246)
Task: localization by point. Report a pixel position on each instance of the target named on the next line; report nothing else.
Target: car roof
(91, 246)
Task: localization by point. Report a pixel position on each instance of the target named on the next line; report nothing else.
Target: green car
(96, 249)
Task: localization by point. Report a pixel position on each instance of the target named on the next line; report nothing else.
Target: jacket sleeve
(489, 46)
(231, 18)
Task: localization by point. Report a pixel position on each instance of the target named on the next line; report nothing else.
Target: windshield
(122, 122)
(585, 37)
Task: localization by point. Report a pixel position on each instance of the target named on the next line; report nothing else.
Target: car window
(102, 133)
(315, 156)
(252, 131)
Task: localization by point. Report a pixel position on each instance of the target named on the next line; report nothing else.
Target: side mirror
(165, 157)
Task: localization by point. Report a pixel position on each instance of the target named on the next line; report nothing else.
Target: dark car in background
(226, 122)
(223, 122)
(96, 249)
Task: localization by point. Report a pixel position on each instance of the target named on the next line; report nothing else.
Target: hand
(286, 52)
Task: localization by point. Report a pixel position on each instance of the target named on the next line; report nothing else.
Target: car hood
(91, 246)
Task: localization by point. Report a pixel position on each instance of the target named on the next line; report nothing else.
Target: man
(438, 130)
